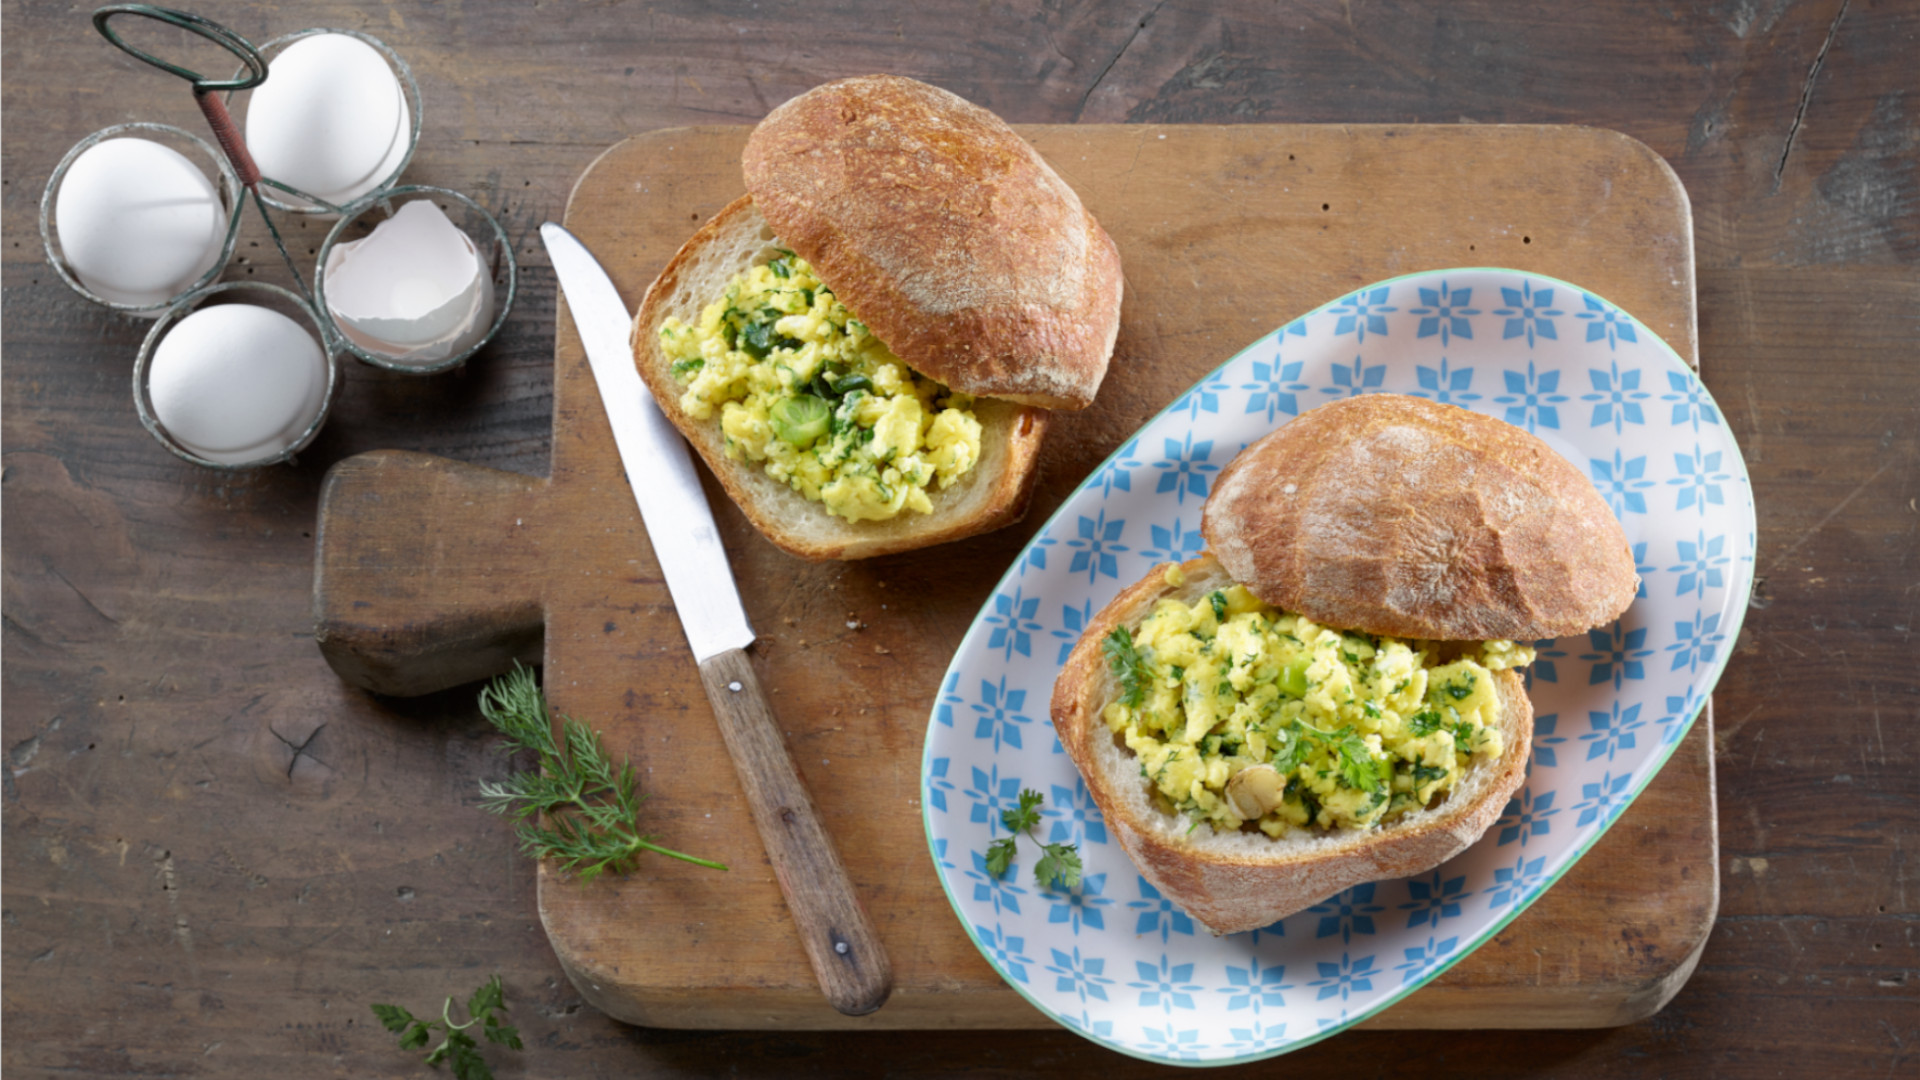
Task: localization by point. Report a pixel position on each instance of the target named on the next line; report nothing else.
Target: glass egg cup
(262, 294)
(231, 194)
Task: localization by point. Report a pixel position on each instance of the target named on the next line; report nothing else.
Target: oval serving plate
(1120, 964)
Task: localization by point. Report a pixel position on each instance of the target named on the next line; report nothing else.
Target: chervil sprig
(591, 809)
(458, 1048)
(1059, 865)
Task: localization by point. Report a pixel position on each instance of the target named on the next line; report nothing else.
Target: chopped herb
(758, 338)
(1456, 691)
(1219, 601)
(1357, 765)
(1130, 666)
(1311, 805)
(1059, 865)
(1426, 774)
(1424, 723)
(683, 368)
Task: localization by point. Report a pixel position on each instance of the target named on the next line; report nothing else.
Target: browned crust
(1229, 891)
(947, 233)
(1417, 519)
(1006, 503)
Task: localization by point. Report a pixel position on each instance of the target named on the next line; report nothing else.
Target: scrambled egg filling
(1360, 729)
(802, 387)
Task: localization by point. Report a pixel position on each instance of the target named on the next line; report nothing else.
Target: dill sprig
(576, 808)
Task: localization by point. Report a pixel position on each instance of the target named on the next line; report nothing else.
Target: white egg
(327, 118)
(137, 222)
(237, 383)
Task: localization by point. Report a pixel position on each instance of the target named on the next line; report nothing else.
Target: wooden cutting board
(430, 573)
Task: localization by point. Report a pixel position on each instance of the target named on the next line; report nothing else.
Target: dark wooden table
(216, 854)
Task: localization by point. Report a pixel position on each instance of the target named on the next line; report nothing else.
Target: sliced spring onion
(799, 420)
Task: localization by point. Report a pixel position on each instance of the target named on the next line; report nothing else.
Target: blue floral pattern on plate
(1121, 964)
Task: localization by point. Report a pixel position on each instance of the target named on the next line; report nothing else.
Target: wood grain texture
(216, 853)
(842, 948)
(1223, 227)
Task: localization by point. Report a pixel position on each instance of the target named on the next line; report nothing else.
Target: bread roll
(1391, 516)
(993, 493)
(1402, 516)
(946, 233)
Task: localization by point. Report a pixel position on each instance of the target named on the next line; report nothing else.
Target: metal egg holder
(238, 178)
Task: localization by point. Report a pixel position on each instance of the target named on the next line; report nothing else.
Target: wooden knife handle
(846, 954)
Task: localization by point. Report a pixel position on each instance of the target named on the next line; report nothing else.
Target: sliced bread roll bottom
(1232, 882)
(992, 494)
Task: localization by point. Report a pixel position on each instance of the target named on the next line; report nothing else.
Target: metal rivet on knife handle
(841, 944)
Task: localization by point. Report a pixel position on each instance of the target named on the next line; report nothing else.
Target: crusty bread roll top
(946, 233)
(1402, 516)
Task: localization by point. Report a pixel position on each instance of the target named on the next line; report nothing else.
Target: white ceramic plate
(1121, 965)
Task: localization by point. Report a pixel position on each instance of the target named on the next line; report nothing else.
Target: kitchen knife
(840, 941)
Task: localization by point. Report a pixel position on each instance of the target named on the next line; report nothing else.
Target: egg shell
(237, 383)
(412, 281)
(478, 320)
(327, 118)
(137, 222)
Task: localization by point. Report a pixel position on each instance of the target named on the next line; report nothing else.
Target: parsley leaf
(1357, 765)
(1219, 601)
(1424, 723)
(1027, 815)
(1130, 666)
(458, 1048)
(1000, 855)
(1059, 868)
(1059, 865)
